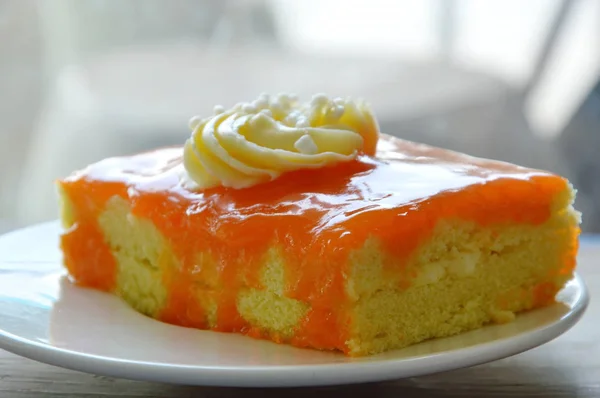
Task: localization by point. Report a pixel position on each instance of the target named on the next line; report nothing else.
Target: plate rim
(296, 375)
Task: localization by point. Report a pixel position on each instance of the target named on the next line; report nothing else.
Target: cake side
(463, 277)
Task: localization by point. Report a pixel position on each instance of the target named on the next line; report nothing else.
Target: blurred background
(84, 79)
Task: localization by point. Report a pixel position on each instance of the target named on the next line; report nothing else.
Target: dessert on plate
(303, 224)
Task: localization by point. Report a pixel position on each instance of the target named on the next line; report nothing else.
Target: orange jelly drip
(316, 217)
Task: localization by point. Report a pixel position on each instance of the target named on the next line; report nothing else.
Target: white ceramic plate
(45, 318)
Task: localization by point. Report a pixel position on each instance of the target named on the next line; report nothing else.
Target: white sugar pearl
(260, 103)
(337, 111)
(194, 122)
(276, 107)
(306, 145)
(218, 109)
(338, 101)
(249, 108)
(295, 114)
(319, 99)
(290, 120)
(267, 112)
(302, 122)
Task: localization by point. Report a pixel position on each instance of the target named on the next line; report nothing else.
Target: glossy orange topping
(316, 217)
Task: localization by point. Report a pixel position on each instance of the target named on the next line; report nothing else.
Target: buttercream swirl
(256, 142)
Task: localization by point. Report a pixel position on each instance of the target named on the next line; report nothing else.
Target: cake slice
(303, 225)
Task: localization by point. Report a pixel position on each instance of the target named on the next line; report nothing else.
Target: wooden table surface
(569, 366)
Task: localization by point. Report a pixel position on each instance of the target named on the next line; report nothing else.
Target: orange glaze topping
(316, 217)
